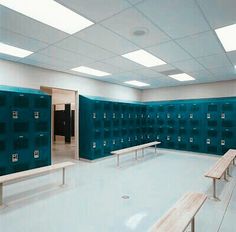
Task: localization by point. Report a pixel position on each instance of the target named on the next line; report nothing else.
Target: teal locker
(18, 128)
(182, 142)
(195, 143)
(196, 125)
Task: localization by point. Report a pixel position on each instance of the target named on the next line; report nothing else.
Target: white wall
(16, 74)
(21, 75)
(209, 90)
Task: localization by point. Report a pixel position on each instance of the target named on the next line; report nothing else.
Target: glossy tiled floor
(92, 200)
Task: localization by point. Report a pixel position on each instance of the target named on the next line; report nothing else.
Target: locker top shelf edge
(109, 99)
(193, 101)
(21, 90)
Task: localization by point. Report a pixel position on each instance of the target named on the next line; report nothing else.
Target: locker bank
(117, 116)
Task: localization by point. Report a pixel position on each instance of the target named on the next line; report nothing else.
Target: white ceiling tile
(106, 39)
(37, 59)
(65, 55)
(104, 67)
(79, 46)
(214, 61)
(114, 81)
(43, 65)
(223, 71)
(201, 75)
(153, 80)
(123, 63)
(189, 66)
(129, 20)
(20, 41)
(96, 10)
(28, 27)
(178, 18)
(219, 13)
(7, 57)
(125, 76)
(133, 2)
(232, 56)
(163, 68)
(169, 52)
(83, 74)
(203, 44)
(225, 77)
(148, 73)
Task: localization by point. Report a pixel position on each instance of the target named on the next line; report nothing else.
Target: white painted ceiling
(181, 32)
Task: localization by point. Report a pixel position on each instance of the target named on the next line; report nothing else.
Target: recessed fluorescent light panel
(90, 71)
(136, 83)
(14, 51)
(49, 12)
(144, 58)
(227, 36)
(182, 77)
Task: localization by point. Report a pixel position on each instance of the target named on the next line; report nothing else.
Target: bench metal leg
(193, 225)
(155, 149)
(225, 177)
(118, 160)
(136, 155)
(63, 176)
(1, 194)
(214, 188)
(214, 197)
(228, 173)
(143, 152)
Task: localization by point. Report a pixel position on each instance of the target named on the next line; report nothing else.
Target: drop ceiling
(180, 32)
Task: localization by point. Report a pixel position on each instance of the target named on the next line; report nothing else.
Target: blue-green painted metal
(25, 129)
(200, 125)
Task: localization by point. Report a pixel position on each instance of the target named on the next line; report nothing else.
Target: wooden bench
(32, 172)
(178, 218)
(220, 168)
(134, 149)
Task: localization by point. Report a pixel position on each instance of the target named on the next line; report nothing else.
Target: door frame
(49, 88)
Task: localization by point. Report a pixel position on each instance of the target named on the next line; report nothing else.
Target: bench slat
(35, 171)
(221, 165)
(179, 217)
(130, 149)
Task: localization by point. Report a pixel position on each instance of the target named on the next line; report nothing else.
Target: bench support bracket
(1, 194)
(214, 188)
(228, 172)
(63, 176)
(225, 176)
(118, 160)
(193, 225)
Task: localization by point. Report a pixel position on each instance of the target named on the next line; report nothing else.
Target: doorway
(64, 123)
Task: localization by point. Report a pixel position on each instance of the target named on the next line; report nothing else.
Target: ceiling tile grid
(202, 44)
(18, 40)
(104, 38)
(178, 18)
(219, 13)
(96, 10)
(180, 32)
(126, 22)
(214, 61)
(169, 52)
(61, 54)
(189, 65)
(18, 23)
(84, 48)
